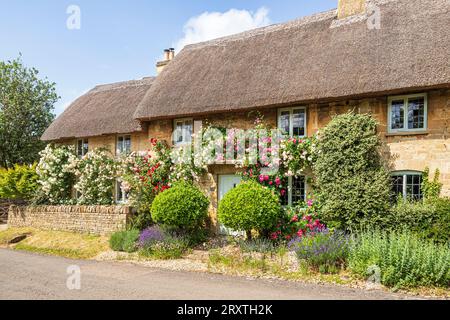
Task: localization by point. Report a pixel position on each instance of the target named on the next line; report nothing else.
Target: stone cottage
(389, 58)
(103, 117)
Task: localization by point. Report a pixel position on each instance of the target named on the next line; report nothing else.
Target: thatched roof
(106, 109)
(318, 58)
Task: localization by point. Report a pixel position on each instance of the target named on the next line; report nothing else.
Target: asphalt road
(30, 276)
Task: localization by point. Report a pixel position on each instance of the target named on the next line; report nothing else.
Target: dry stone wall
(99, 220)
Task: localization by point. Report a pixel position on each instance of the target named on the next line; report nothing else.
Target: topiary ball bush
(182, 207)
(249, 206)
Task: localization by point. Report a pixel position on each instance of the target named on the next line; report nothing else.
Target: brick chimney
(347, 8)
(169, 54)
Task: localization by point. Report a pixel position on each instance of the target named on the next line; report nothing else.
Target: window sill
(407, 133)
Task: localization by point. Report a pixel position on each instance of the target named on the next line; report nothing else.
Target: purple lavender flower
(151, 235)
(323, 249)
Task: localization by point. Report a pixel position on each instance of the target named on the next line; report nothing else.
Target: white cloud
(211, 25)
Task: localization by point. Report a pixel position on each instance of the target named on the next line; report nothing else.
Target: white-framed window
(292, 121)
(296, 191)
(407, 184)
(122, 196)
(123, 144)
(183, 130)
(82, 147)
(408, 113)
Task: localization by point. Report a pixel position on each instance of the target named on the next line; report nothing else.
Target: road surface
(30, 276)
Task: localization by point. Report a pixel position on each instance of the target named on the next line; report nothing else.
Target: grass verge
(63, 244)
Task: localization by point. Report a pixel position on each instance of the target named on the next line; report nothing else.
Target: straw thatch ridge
(106, 109)
(314, 59)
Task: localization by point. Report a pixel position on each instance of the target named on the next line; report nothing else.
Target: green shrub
(429, 220)
(143, 219)
(431, 189)
(19, 182)
(124, 241)
(403, 259)
(439, 229)
(116, 241)
(248, 207)
(183, 206)
(168, 248)
(351, 181)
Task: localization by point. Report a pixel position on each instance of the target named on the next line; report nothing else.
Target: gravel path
(30, 276)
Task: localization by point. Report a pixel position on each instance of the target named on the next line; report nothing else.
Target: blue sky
(122, 40)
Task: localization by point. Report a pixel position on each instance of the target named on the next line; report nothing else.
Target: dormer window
(292, 121)
(408, 113)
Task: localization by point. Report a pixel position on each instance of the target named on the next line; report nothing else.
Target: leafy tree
(19, 182)
(352, 181)
(26, 106)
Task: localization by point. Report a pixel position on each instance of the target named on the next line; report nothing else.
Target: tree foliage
(352, 182)
(19, 182)
(26, 106)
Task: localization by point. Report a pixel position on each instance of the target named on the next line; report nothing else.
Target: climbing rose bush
(56, 172)
(297, 155)
(96, 173)
(298, 222)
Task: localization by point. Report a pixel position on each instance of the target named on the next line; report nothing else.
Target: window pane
(414, 187)
(127, 145)
(299, 122)
(416, 113)
(298, 190)
(187, 128)
(179, 132)
(284, 122)
(120, 144)
(397, 115)
(85, 147)
(397, 187)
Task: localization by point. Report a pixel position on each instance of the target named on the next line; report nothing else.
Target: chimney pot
(167, 54)
(172, 53)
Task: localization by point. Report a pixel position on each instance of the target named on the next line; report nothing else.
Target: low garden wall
(99, 220)
(5, 204)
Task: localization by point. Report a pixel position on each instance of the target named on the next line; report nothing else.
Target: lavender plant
(325, 251)
(151, 235)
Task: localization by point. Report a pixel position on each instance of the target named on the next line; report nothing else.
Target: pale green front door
(227, 183)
